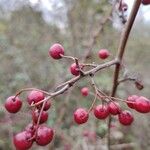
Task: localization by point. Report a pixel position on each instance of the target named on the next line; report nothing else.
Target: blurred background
(29, 27)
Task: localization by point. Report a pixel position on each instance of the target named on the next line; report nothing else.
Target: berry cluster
(40, 104)
(25, 139)
(139, 103)
(102, 111)
(41, 134)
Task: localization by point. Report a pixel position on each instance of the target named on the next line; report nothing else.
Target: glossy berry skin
(85, 91)
(30, 128)
(47, 105)
(81, 116)
(21, 140)
(101, 111)
(13, 105)
(56, 51)
(114, 108)
(74, 70)
(35, 115)
(145, 2)
(131, 101)
(35, 97)
(125, 117)
(142, 105)
(103, 53)
(44, 135)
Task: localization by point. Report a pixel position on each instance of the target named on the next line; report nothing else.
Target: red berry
(101, 111)
(56, 51)
(145, 2)
(30, 128)
(35, 97)
(125, 117)
(142, 105)
(47, 105)
(114, 108)
(103, 53)
(44, 135)
(13, 105)
(35, 116)
(74, 70)
(21, 140)
(81, 116)
(131, 101)
(85, 91)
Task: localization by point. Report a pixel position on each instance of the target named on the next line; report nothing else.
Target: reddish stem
(121, 50)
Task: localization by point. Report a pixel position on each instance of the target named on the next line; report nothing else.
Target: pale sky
(145, 9)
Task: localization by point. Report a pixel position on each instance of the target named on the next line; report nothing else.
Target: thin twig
(79, 67)
(89, 72)
(126, 79)
(30, 89)
(123, 146)
(68, 57)
(95, 97)
(89, 65)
